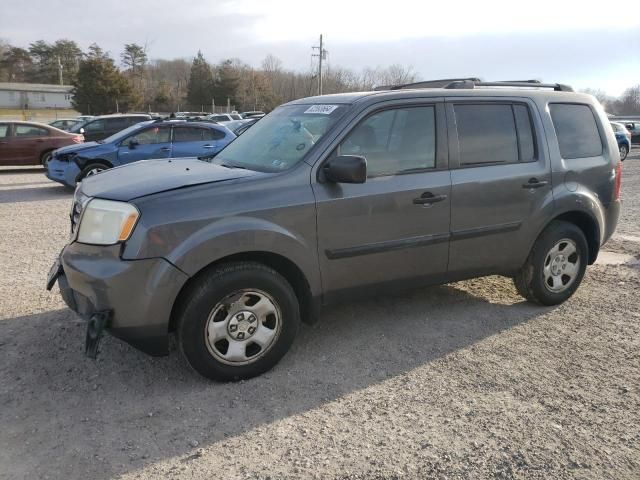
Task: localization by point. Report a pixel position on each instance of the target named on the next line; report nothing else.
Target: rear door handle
(534, 183)
(208, 146)
(428, 198)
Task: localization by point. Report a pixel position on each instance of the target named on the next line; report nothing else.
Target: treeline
(103, 84)
(134, 82)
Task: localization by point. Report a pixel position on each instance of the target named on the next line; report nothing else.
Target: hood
(154, 176)
(76, 147)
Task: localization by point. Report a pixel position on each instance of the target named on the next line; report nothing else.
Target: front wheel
(91, 170)
(624, 151)
(237, 321)
(556, 265)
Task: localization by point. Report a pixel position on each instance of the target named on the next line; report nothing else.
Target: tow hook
(95, 326)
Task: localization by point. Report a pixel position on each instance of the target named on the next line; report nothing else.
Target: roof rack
(470, 84)
(426, 84)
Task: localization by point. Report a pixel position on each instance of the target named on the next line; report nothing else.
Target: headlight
(105, 222)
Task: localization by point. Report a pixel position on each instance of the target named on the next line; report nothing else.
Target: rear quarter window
(576, 129)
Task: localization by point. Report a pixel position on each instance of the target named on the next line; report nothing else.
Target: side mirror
(81, 130)
(346, 169)
(133, 143)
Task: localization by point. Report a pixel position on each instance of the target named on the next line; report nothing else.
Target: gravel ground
(466, 381)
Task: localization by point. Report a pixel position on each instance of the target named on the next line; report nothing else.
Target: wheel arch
(284, 266)
(589, 226)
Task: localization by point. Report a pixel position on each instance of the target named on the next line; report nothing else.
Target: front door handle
(208, 146)
(165, 149)
(428, 198)
(534, 183)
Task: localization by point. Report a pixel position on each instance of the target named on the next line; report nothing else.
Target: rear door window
(212, 134)
(187, 134)
(30, 131)
(486, 134)
(576, 129)
(4, 130)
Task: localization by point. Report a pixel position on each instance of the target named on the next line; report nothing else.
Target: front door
(394, 228)
(151, 143)
(500, 184)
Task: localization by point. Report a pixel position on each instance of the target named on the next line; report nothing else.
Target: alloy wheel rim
(94, 171)
(623, 151)
(561, 266)
(243, 327)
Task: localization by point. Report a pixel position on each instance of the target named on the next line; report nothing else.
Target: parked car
(239, 126)
(99, 128)
(30, 143)
(142, 141)
(223, 117)
(191, 115)
(331, 197)
(623, 137)
(85, 118)
(634, 128)
(65, 123)
(252, 114)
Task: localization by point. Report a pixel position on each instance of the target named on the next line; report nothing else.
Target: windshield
(281, 139)
(126, 132)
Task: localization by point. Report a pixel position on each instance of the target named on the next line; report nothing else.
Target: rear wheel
(91, 170)
(624, 151)
(556, 265)
(237, 321)
(45, 157)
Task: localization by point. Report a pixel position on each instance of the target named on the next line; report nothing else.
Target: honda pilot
(335, 196)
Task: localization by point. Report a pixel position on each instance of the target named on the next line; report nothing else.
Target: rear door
(27, 143)
(151, 143)
(500, 184)
(392, 230)
(194, 141)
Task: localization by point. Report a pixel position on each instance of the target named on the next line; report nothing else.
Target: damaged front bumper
(130, 299)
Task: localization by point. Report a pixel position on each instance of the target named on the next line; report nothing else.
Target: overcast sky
(585, 44)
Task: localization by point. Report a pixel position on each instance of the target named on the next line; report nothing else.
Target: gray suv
(335, 196)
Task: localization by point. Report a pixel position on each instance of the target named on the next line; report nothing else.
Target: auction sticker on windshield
(325, 109)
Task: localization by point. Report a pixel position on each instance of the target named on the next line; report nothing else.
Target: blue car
(623, 137)
(143, 141)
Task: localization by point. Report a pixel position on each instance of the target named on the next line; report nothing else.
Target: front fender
(242, 235)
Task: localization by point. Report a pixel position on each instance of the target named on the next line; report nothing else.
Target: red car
(30, 143)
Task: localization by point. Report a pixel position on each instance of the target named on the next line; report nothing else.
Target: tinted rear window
(487, 134)
(576, 130)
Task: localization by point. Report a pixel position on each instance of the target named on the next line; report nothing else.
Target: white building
(34, 95)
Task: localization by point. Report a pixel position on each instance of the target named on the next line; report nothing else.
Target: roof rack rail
(426, 84)
(469, 84)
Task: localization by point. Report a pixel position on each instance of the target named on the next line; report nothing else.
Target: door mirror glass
(346, 169)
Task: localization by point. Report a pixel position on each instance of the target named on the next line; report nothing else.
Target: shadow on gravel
(9, 171)
(61, 412)
(35, 194)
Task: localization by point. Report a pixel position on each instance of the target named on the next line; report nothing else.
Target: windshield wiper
(231, 165)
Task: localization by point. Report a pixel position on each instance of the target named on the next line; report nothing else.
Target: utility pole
(60, 71)
(322, 55)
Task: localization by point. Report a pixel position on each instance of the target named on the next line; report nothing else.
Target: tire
(227, 297)
(45, 157)
(624, 151)
(90, 170)
(552, 273)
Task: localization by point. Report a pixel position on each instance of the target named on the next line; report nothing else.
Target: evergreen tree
(226, 82)
(200, 86)
(101, 88)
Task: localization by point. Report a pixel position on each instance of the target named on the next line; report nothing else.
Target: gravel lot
(459, 381)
